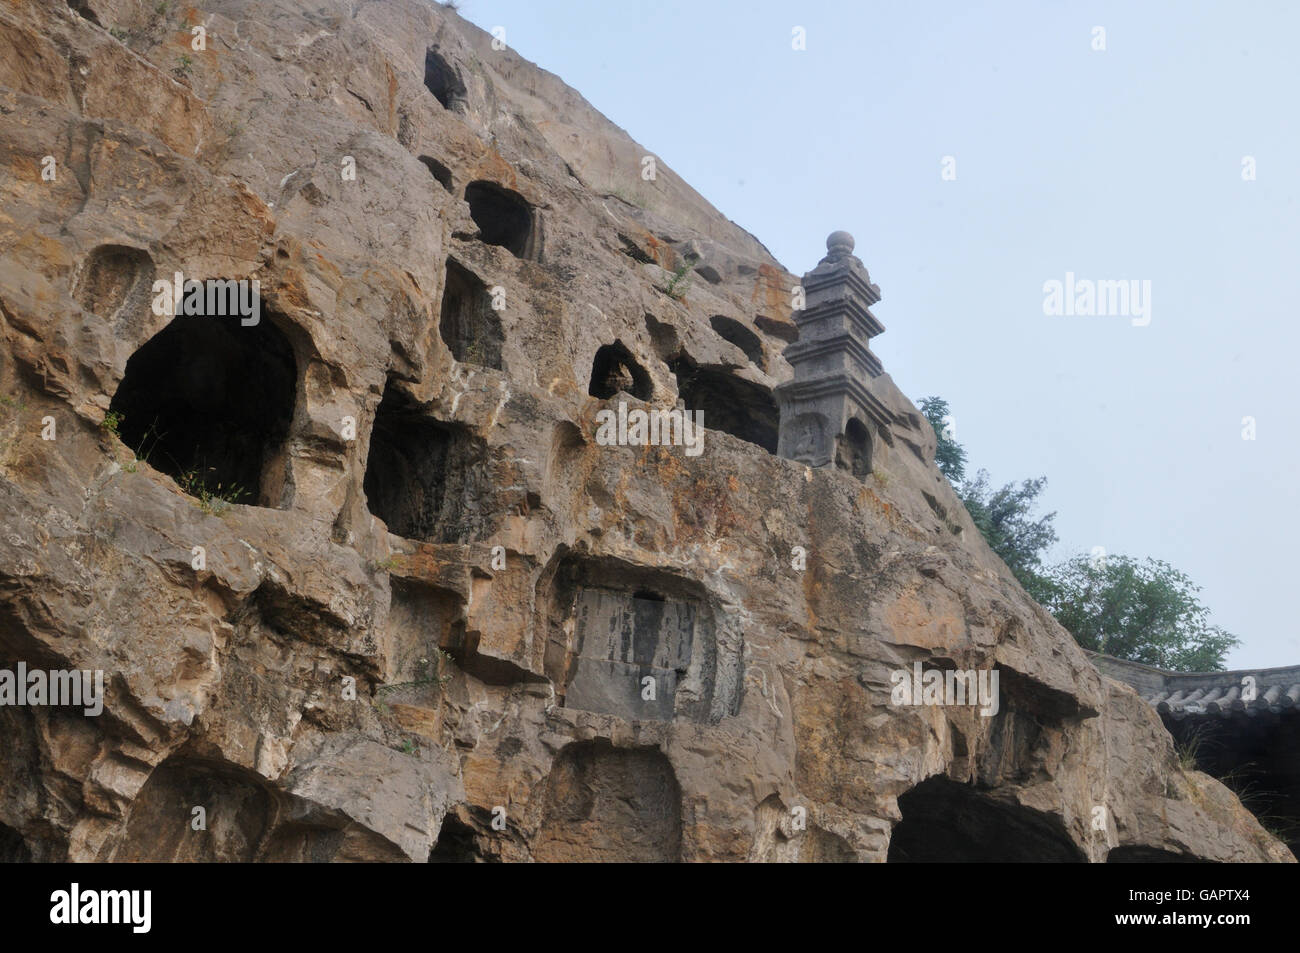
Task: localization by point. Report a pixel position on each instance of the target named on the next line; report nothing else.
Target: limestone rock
(424, 626)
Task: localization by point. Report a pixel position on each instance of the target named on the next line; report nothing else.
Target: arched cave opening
(610, 804)
(614, 369)
(855, 449)
(442, 79)
(735, 406)
(423, 477)
(209, 401)
(503, 217)
(947, 822)
(440, 173)
(468, 325)
(732, 331)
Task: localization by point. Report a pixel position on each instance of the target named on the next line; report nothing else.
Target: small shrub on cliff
(949, 455)
(214, 501)
(681, 279)
(111, 422)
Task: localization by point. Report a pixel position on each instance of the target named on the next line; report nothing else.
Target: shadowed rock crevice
(603, 804)
(853, 452)
(209, 402)
(731, 330)
(615, 370)
(423, 478)
(1147, 855)
(13, 849)
(947, 822)
(440, 173)
(503, 217)
(457, 844)
(468, 325)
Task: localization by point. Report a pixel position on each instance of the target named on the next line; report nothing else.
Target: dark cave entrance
(441, 79)
(209, 402)
(420, 472)
(503, 217)
(457, 843)
(735, 406)
(468, 325)
(1257, 755)
(947, 822)
(614, 369)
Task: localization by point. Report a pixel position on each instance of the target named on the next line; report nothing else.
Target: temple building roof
(1208, 694)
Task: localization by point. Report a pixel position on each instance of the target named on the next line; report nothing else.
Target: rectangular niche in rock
(468, 325)
(424, 478)
(620, 639)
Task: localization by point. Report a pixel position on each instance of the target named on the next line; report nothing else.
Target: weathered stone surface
(228, 679)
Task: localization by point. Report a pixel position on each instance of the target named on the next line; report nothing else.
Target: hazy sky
(1125, 163)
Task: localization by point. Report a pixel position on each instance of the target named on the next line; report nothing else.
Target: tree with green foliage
(1004, 519)
(949, 454)
(1142, 611)
(1145, 612)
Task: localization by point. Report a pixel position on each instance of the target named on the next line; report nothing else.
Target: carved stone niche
(807, 439)
(612, 626)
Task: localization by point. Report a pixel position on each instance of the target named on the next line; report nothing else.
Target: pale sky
(1125, 163)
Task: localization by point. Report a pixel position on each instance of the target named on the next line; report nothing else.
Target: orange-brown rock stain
(771, 294)
(494, 168)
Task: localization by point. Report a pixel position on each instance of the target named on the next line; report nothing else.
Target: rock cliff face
(423, 630)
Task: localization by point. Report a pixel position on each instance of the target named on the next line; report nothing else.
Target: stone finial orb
(839, 244)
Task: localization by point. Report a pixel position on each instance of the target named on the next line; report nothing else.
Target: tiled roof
(1208, 694)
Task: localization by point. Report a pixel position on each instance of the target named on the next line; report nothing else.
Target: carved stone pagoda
(828, 412)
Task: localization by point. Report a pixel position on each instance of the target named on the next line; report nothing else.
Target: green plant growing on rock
(1187, 751)
(681, 278)
(111, 422)
(428, 671)
(213, 501)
